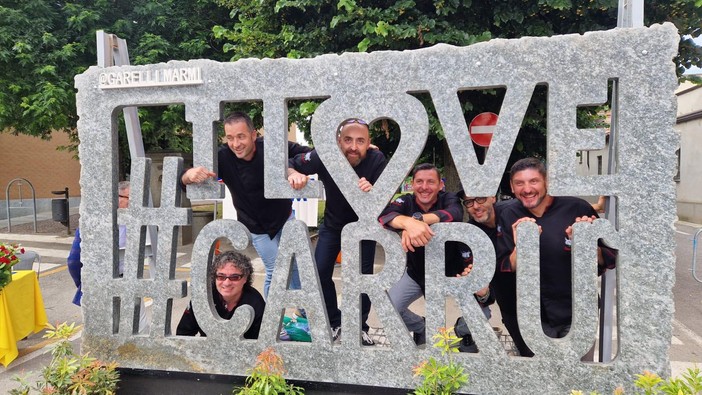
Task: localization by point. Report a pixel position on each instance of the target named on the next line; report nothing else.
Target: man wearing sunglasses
(232, 287)
(353, 139)
(240, 166)
(483, 212)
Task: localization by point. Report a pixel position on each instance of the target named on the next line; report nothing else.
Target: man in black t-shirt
(484, 212)
(412, 214)
(240, 166)
(354, 142)
(555, 216)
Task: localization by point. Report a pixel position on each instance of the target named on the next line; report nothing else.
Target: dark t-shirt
(554, 249)
(245, 182)
(338, 211)
(500, 285)
(188, 325)
(448, 208)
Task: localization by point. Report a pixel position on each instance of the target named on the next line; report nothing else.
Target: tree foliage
(44, 44)
(307, 28)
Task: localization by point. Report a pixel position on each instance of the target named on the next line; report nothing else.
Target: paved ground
(43, 226)
(53, 244)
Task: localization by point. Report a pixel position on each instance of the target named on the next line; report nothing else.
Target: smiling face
(531, 188)
(228, 288)
(240, 139)
(426, 185)
(482, 213)
(353, 142)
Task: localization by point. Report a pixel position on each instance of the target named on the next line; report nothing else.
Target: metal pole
(112, 51)
(68, 214)
(694, 256)
(630, 14)
(7, 200)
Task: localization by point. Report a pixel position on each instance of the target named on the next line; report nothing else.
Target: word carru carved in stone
(150, 77)
(576, 69)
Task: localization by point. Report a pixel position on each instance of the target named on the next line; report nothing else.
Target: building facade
(689, 176)
(41, 164)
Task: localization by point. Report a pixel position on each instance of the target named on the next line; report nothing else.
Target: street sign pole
(629, 14)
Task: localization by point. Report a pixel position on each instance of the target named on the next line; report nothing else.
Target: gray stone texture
(576, 69)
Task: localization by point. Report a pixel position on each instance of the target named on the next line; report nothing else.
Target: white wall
(689, 186)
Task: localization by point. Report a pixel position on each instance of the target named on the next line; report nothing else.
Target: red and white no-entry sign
(482, 127)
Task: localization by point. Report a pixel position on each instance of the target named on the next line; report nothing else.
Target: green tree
(44, 44)
(307, 28)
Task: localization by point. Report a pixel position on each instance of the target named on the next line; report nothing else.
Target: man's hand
(297, 180)
(365, 185)
(466, 271)
(415, 234)
(483, 292)
(197, 175)
(584, 218)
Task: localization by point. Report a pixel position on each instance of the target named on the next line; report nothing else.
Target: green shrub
(440, 378)
(267, 377)
(68, 373)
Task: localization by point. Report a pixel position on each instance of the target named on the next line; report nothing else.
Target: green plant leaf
(363, 45)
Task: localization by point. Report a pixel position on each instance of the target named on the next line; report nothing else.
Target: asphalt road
(687, 293)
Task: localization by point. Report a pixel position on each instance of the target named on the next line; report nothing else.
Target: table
(21, 312)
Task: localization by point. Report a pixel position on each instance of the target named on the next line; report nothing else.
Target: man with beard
(484, 212)
(555, 216)
(412, 214)
(353, 139)
(240, 166)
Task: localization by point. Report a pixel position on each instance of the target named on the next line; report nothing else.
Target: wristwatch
(484, 298)
(418, 216)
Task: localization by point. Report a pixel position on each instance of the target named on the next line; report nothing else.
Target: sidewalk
(44, 225)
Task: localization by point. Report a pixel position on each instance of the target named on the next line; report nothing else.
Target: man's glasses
(232, 277)
(470, 202)
(350, 121)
